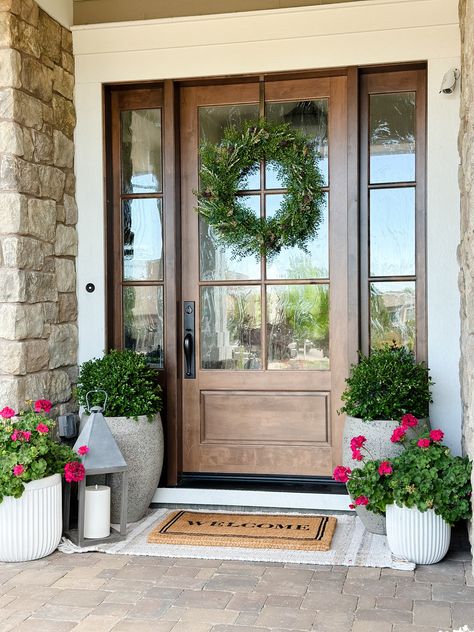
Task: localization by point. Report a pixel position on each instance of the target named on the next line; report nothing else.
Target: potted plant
(423, 491)
(31, 464)
(132, 414)
(383, 387)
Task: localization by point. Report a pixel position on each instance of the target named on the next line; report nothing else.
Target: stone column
(466, 249)
(38, 213)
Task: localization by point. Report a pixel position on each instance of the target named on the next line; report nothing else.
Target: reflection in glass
(214, 119)
(392, 137)
(392, 314)
(215, 258)
(310, 118)
(143, 321)
(141, 151)
(392, 232)
(142, 239)
(298, 327)
(294, 263)
(230, 328)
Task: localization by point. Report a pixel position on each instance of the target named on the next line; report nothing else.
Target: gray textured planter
(141, 443)
(377, 433)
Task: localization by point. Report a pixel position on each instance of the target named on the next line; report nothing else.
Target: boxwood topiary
(387, 384)
(131, 385)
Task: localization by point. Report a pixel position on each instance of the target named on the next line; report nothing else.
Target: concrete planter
(378, 433)
(422, 537)
(31, 526)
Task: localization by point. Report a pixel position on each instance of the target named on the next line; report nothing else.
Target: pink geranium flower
(357, 455)
(84, 449)
(409, 421)
(74, 472)
(18, 470)
(26, 434)
(352, 506)
(20, 435)
(7, 413)
(42, 428)
(358, 442)
(42, 406)
(424, 443)
(385, 468)
(341, 474)
(15, 435)
(362, 500)
(436, 435)
(398, 434)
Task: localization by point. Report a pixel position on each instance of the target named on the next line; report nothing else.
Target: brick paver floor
(97, 592)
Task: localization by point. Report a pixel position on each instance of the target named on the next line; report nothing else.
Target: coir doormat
(265, 531)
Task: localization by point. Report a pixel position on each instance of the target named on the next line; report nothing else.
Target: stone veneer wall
(38, 213)
(466, 249)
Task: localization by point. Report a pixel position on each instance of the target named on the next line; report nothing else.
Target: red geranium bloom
(385, 468)
(352, 506)
(362, 500)
(84, 449)
(7, 413)
(18, 470)
(424, 443)
(436, 435)
(409, 421)
(357, 455)
(341, 474)
(398, 434)
(358, 442)
(74, 472)
(42, 406)
(42, 428)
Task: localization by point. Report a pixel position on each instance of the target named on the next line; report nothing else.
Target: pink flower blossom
(7, 413)
(436, 435)
(357, 455)
(424, 443)
(18, 470)
(42, 428)
(42, 406)
(398, 434)
(84, 449)
(358, 442)
(20, 435)
(341, 474)
(385, 468)
(74, 472)
(26, 434)
(15, 435)
(409, 421)
(352, 506)
(361, 500)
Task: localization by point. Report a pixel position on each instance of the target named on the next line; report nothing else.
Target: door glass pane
(230, 328)
(213, 121)
(142, 239)
(143, 321)
(298, 327)
(392, 314)
(141, 151)
(216, 260)
(392, 137)
(310, 118)
(294, 263)
(392, 232)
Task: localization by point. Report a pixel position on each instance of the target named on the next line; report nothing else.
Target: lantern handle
(97, 390)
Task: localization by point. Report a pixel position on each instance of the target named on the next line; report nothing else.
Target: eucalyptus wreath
(225, 169)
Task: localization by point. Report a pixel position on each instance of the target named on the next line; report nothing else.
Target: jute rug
(262, 531)
(352, 545)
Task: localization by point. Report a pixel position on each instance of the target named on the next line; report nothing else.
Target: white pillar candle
(97, 512)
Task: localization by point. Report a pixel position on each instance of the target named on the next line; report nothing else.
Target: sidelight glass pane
(309, 117)
(230, 328)
(295, 263)
(214, 119)
(142, 239)
(143, 321)
(392, 137)
(215, 258)
(392, 314)
(392, 232)
(298, 327)
(141, 151)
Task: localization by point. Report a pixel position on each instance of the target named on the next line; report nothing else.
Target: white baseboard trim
(242, 498)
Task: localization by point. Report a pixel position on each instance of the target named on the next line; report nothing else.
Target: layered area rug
(351, 545)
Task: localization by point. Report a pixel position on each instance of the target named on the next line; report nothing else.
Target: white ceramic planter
(420, 537)
(31, 526)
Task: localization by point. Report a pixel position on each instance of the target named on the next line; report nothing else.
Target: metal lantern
(103, 458)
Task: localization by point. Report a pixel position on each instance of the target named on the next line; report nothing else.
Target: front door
(270, 337)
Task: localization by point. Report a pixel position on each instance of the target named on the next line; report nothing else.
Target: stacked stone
(38, 213)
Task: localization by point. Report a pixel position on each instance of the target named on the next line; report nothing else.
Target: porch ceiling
(102, 11)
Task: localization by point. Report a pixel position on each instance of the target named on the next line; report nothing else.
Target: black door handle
(188, 353)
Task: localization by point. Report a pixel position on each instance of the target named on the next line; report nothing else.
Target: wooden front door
(270, 340)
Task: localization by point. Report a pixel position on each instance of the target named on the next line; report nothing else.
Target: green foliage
(40, 455)
(425, 478)
(386, 385)
(225, 169)
(131, 385)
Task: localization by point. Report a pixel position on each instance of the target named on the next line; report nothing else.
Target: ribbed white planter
(422, 537)
(31, 526)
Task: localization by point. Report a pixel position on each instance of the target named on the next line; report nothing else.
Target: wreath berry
(225, 168)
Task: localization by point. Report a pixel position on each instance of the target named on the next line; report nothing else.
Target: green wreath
(225, 169)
